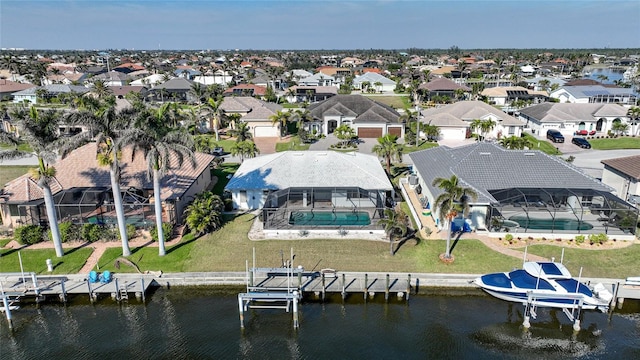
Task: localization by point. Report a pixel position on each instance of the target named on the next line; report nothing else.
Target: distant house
(595, 94)
(368, 118)
(48, 91)
(298, 93)
(375, 81)
(111, 78)
(454, 120)
(569, 118)
(149, 81)
(256, 113)
(8, 87)
(623, 174)
(246, 90)
(319, 79)
(441, 87)
(176, 89)
(82, 191)
(121, 92)
(508, 95)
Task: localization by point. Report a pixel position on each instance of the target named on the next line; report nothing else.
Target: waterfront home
(299, 93)
(506, 96)
(441, 87)
(82, 191)
(571, 118)
(454, 120)
(368, 118)
(595, 94)
(246, 90)
(48, 91)
(523, 191)
(176, 89)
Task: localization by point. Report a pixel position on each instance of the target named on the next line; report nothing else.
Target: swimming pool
(330, 218)
(550, 224)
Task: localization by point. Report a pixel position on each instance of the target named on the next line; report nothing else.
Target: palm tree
(393, 226)
(476, 124)
(211, 108)
(281, 118)
(344, 133)
(432, 132)
(516, 143)
(242, 132)
(244, 149)
(40, 130)
(486, 126)
(454, 199)
(619, 127)
(378, 86)
(634, 115)
(389, 149)
(107, 124)
(160, 145)
(205, 213)
(101, 90)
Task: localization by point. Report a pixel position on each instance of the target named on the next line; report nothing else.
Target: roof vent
(322, 154)
(485, 153)
(529, 154)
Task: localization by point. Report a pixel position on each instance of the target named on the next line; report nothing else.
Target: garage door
(369, 132)
(452, 133)
(265, 131)
(395, 131)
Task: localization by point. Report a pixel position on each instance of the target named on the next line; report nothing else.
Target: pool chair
(93, 277)
(105, 278)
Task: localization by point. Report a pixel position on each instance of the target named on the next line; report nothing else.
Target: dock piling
(386, 289)
(344, 289)
(142, 282)
(324, 287)
(7, 311)
(408, 286)
(241, 310)
(63, 295)
(365, 288)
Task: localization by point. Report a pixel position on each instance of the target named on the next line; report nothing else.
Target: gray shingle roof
(561, 112)
(358, 104)
(486, 166)
(310, 169)
(470, 110)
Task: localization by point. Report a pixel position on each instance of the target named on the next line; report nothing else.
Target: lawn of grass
(293, 144)
(4, 242)
(611, 263)
(542, 145)
(397, 102)
(10, 172)
(35, 260)
(423, 145)
(624, 142)
(224, 170)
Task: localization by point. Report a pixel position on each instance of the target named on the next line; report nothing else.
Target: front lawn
(396, 102)
(625, 142)
(423, 145)
(293, 144)
(11, 172)
(542, 145)
(222, 173)
(35, 260)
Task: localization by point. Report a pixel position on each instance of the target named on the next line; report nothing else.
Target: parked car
(585, 132)
(218, 151)
(555, 136)
(582, 142)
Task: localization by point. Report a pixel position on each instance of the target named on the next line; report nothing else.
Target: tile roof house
(111, 78)
(454, 120)
(385, 84)
(518, 184)
(300, 93)
(256, 113)
(176, 88)
(368, 118)
(290, 183)
(82, 190)
(246, 90)
(623, 174)
(8, 87)
(569, 118)
(441, 87)
(49, 91)
(318, 79)
(507, 95)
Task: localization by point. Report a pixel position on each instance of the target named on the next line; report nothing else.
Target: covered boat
(544, 284)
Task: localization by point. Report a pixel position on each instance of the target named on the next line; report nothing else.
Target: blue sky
(319, 24)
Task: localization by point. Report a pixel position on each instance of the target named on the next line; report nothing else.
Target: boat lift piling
(573, 315)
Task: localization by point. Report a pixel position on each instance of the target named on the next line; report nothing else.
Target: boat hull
(559, 303)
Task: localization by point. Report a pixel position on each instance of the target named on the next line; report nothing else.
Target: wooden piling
(91, 297)
(295, 310)
(324, 287)
(344, 289)
(142, 284)
(386, 289)
(408, 286)
(241, 310)
(365, 289)
(63, 296)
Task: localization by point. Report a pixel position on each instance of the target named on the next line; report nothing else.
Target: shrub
(167, 229)
(95, 232)
(68, 232)
(580, 239)
(598, 238)
(131, 231)
(508, 237)
(29, 234)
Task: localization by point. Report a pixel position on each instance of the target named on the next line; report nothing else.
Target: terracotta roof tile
(629, 165)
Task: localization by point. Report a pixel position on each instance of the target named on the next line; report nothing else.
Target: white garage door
(452, 133)
(265, 131)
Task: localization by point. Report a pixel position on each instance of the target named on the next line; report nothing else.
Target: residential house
(441, 87)
(523, 191)
(82, 191)
(368, 118)
(506, 96)
(318, 79)
(454, 120)
(623, 174)
(8, 87)
(298, 93)
(287, 185)
(569, 118)
(595, 94)
(120, 92)
(149, 81)
(374, 81)
(246, 90)
(48, 91)
(256, 113)
(176, 89)
(111, 78)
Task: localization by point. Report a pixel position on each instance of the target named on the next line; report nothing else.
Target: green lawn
(423, 145)
(10, 172)
(293, 144)
(222, 173)
(542, 145)
(35, 260)
(396, 102)
(625, 142)
(611, 263)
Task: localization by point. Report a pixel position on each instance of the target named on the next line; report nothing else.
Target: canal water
(612, 75)
(203, 323)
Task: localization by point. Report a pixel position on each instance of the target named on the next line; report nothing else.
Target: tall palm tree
(476, 124)
(242, 132)
(634, 115)
(516, 143)
(389, 149)
(281, 118)
(486, 126)
(107, 125)
(161, 146)
(101, 90)
(40, 129)
(244, 149)
(393, 226)
(211, 109)
(454, 199)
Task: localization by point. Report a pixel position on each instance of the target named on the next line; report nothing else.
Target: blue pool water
(550, 224)
(330, 218)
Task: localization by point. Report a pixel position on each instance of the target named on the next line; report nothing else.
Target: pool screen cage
(601, 210)
(90, 206)
(281, 204)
